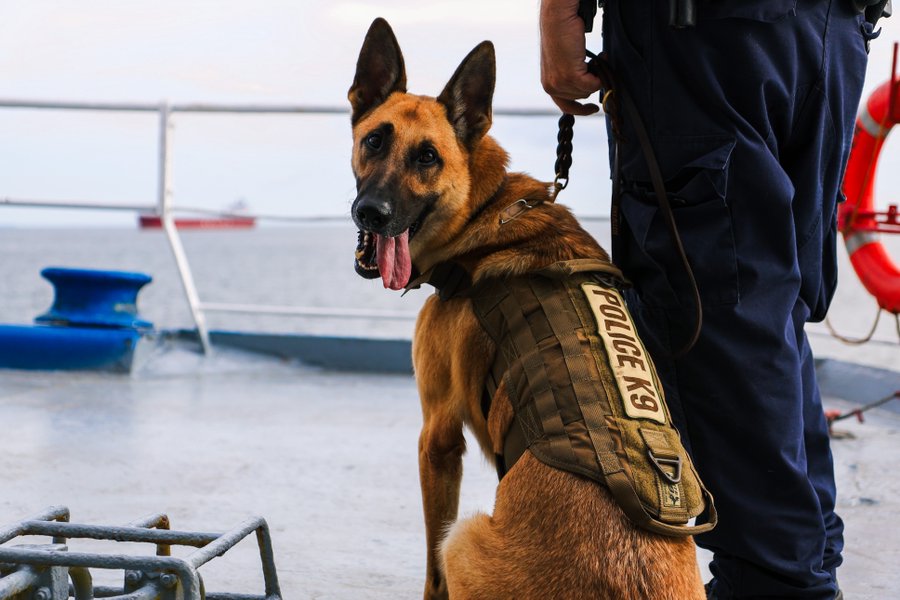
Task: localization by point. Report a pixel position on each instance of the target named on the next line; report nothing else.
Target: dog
(432, 187)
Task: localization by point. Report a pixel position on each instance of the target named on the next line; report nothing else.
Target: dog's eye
(373, 141)
(427, 157)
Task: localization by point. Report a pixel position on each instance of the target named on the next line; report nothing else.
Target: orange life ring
(857, 216)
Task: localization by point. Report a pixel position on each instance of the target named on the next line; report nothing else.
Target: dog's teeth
(365, 266)
(365, 252)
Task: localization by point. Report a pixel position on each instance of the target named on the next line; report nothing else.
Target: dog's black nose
(373, 215)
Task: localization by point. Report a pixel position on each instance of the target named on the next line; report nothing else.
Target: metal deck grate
(53, 572)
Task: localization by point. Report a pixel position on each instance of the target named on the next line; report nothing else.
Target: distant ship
(230, 222)
(231, 218)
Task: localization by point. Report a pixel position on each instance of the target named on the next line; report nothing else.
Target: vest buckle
(674, 464)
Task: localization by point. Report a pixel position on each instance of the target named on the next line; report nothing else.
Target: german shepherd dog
(432, 186)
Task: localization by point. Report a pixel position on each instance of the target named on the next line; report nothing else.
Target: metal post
(82, 583)
(164, 197)
(158, 521)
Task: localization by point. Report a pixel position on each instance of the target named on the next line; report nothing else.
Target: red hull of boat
(151, 221)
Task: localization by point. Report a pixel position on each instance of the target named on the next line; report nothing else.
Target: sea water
(312, 266)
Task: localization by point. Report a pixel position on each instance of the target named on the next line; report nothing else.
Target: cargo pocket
(696, 189)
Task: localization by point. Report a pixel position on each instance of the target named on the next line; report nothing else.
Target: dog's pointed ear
(380, 70)
(469, 94)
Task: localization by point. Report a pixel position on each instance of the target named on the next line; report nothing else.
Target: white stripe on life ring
(859, 239)
(871, 126)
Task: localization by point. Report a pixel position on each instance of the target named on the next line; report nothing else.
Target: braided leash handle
(563, 153)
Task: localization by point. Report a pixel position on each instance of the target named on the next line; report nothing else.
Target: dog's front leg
(451, 354)
(441, 446)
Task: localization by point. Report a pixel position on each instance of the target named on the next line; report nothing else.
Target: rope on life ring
(859, 222)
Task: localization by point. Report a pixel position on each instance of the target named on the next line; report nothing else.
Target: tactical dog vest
(585, 393)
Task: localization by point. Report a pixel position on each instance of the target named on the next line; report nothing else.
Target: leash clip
(515, 210)
(559, 184)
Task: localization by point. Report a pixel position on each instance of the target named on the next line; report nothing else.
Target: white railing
(165, 208)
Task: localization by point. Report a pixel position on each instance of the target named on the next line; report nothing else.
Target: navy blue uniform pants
(751, 116)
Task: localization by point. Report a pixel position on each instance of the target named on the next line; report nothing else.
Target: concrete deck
(328, 459)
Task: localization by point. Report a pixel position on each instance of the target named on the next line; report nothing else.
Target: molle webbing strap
(537, 347)
(545, 418)
(589, 393)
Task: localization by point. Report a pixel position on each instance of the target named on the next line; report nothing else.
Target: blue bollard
(93, 324)
(94, 298)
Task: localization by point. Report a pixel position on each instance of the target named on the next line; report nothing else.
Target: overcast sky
(264, 51)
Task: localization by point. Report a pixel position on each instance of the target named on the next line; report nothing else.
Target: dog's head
(411, 154)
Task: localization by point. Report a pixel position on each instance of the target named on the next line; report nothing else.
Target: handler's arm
(564, 73)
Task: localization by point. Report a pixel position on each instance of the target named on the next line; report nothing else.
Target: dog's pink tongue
(394, 263)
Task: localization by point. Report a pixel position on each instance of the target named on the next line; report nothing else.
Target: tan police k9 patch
(628, 358)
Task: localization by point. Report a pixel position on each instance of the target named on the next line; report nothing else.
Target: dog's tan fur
(552, 534)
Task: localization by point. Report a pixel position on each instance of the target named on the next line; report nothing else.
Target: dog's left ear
(380, 70)
(469, 94)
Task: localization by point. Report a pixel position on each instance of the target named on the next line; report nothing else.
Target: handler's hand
(564, 73)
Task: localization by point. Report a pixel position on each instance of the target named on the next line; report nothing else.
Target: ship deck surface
(329, 459)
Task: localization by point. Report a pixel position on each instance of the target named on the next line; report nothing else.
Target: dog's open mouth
(365, 255)
(388, 257)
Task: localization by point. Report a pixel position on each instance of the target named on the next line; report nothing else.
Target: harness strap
(565, 269)
(450, 279)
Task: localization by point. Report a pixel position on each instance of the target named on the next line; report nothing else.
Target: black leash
(616, 98)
